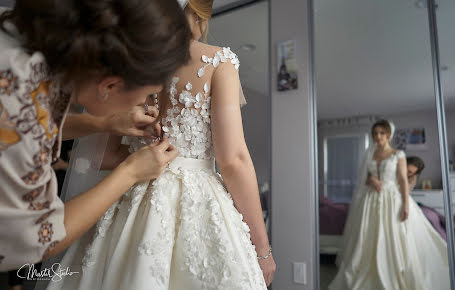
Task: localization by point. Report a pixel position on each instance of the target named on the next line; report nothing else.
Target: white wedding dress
(383, 252)
(180, 231)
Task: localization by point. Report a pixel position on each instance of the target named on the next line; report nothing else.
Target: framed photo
(287, 66)
(410, 139)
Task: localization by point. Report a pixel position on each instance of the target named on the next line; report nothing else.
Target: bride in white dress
(184, 230)
(388, 242)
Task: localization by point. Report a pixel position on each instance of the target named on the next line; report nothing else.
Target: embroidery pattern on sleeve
(8, 134)
(45, 233)
(8, 82)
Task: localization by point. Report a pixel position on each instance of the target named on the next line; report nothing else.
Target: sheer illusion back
(186, 121)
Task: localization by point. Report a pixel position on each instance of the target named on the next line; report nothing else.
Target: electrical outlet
(300, 273)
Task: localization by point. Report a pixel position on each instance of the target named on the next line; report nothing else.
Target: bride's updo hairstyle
(384, 124)
(204, 10)
(142, 41)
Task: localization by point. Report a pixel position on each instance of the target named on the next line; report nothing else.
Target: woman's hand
(405, 211)
(375, 183)
(60, 165)
(149, 162)
(268, 268)
(135, 122)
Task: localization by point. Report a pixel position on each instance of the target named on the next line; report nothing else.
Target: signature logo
(54, 273)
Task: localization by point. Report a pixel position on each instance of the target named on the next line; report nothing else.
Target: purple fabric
(332, 216)
(436, 219)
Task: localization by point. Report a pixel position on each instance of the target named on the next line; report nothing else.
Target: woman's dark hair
(417, 162)
(383, 124)
(142, 41)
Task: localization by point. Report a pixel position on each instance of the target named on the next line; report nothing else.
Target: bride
(388, 242)
(184, 230)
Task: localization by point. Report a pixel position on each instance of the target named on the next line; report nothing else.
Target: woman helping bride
(388, 243)
(182, 231)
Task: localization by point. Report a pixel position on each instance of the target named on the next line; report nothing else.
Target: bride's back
(187, 101)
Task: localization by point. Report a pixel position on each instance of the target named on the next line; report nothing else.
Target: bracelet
(266, 256)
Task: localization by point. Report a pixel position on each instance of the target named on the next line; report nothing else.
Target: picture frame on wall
(410, 139)
(287, 66)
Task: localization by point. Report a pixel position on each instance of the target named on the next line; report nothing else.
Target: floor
(327, 271)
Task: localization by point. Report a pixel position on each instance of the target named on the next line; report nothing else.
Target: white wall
(431, 156)
(292, 169)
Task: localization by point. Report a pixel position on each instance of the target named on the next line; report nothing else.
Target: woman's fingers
(137, 132)
(157, 128)
(163, 145)
(152, 111)
(268, 268)
(404, 214)
(172, 152)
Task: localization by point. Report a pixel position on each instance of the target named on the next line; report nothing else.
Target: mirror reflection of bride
(388, 243)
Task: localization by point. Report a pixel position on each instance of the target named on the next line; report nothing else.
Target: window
(342, 158)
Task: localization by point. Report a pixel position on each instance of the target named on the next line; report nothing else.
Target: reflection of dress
(181, 231)
(382, 252)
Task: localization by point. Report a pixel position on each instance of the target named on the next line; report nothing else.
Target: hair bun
(142, 41)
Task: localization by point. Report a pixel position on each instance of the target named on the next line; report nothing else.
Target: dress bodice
(386, 170)
(187, 119)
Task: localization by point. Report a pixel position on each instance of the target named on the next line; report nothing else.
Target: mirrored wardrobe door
(381, 208)
(445, 10)
(244, 28)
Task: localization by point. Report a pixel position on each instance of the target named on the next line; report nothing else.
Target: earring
(197, 19)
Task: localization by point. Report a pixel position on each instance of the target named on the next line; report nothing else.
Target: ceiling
(374, 57)
(245, 26)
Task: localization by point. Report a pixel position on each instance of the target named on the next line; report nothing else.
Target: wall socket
(299, 273)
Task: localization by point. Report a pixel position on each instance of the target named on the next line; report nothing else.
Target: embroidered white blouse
(32, 110)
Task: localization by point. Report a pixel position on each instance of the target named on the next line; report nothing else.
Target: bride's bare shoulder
(197, 49)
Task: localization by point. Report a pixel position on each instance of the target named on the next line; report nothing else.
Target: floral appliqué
(102, 226)
(221, 56)
(198, 225)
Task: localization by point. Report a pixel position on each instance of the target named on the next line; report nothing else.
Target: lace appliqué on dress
(188, 128)
(220, 57)
(386, 169)
(102, 227)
